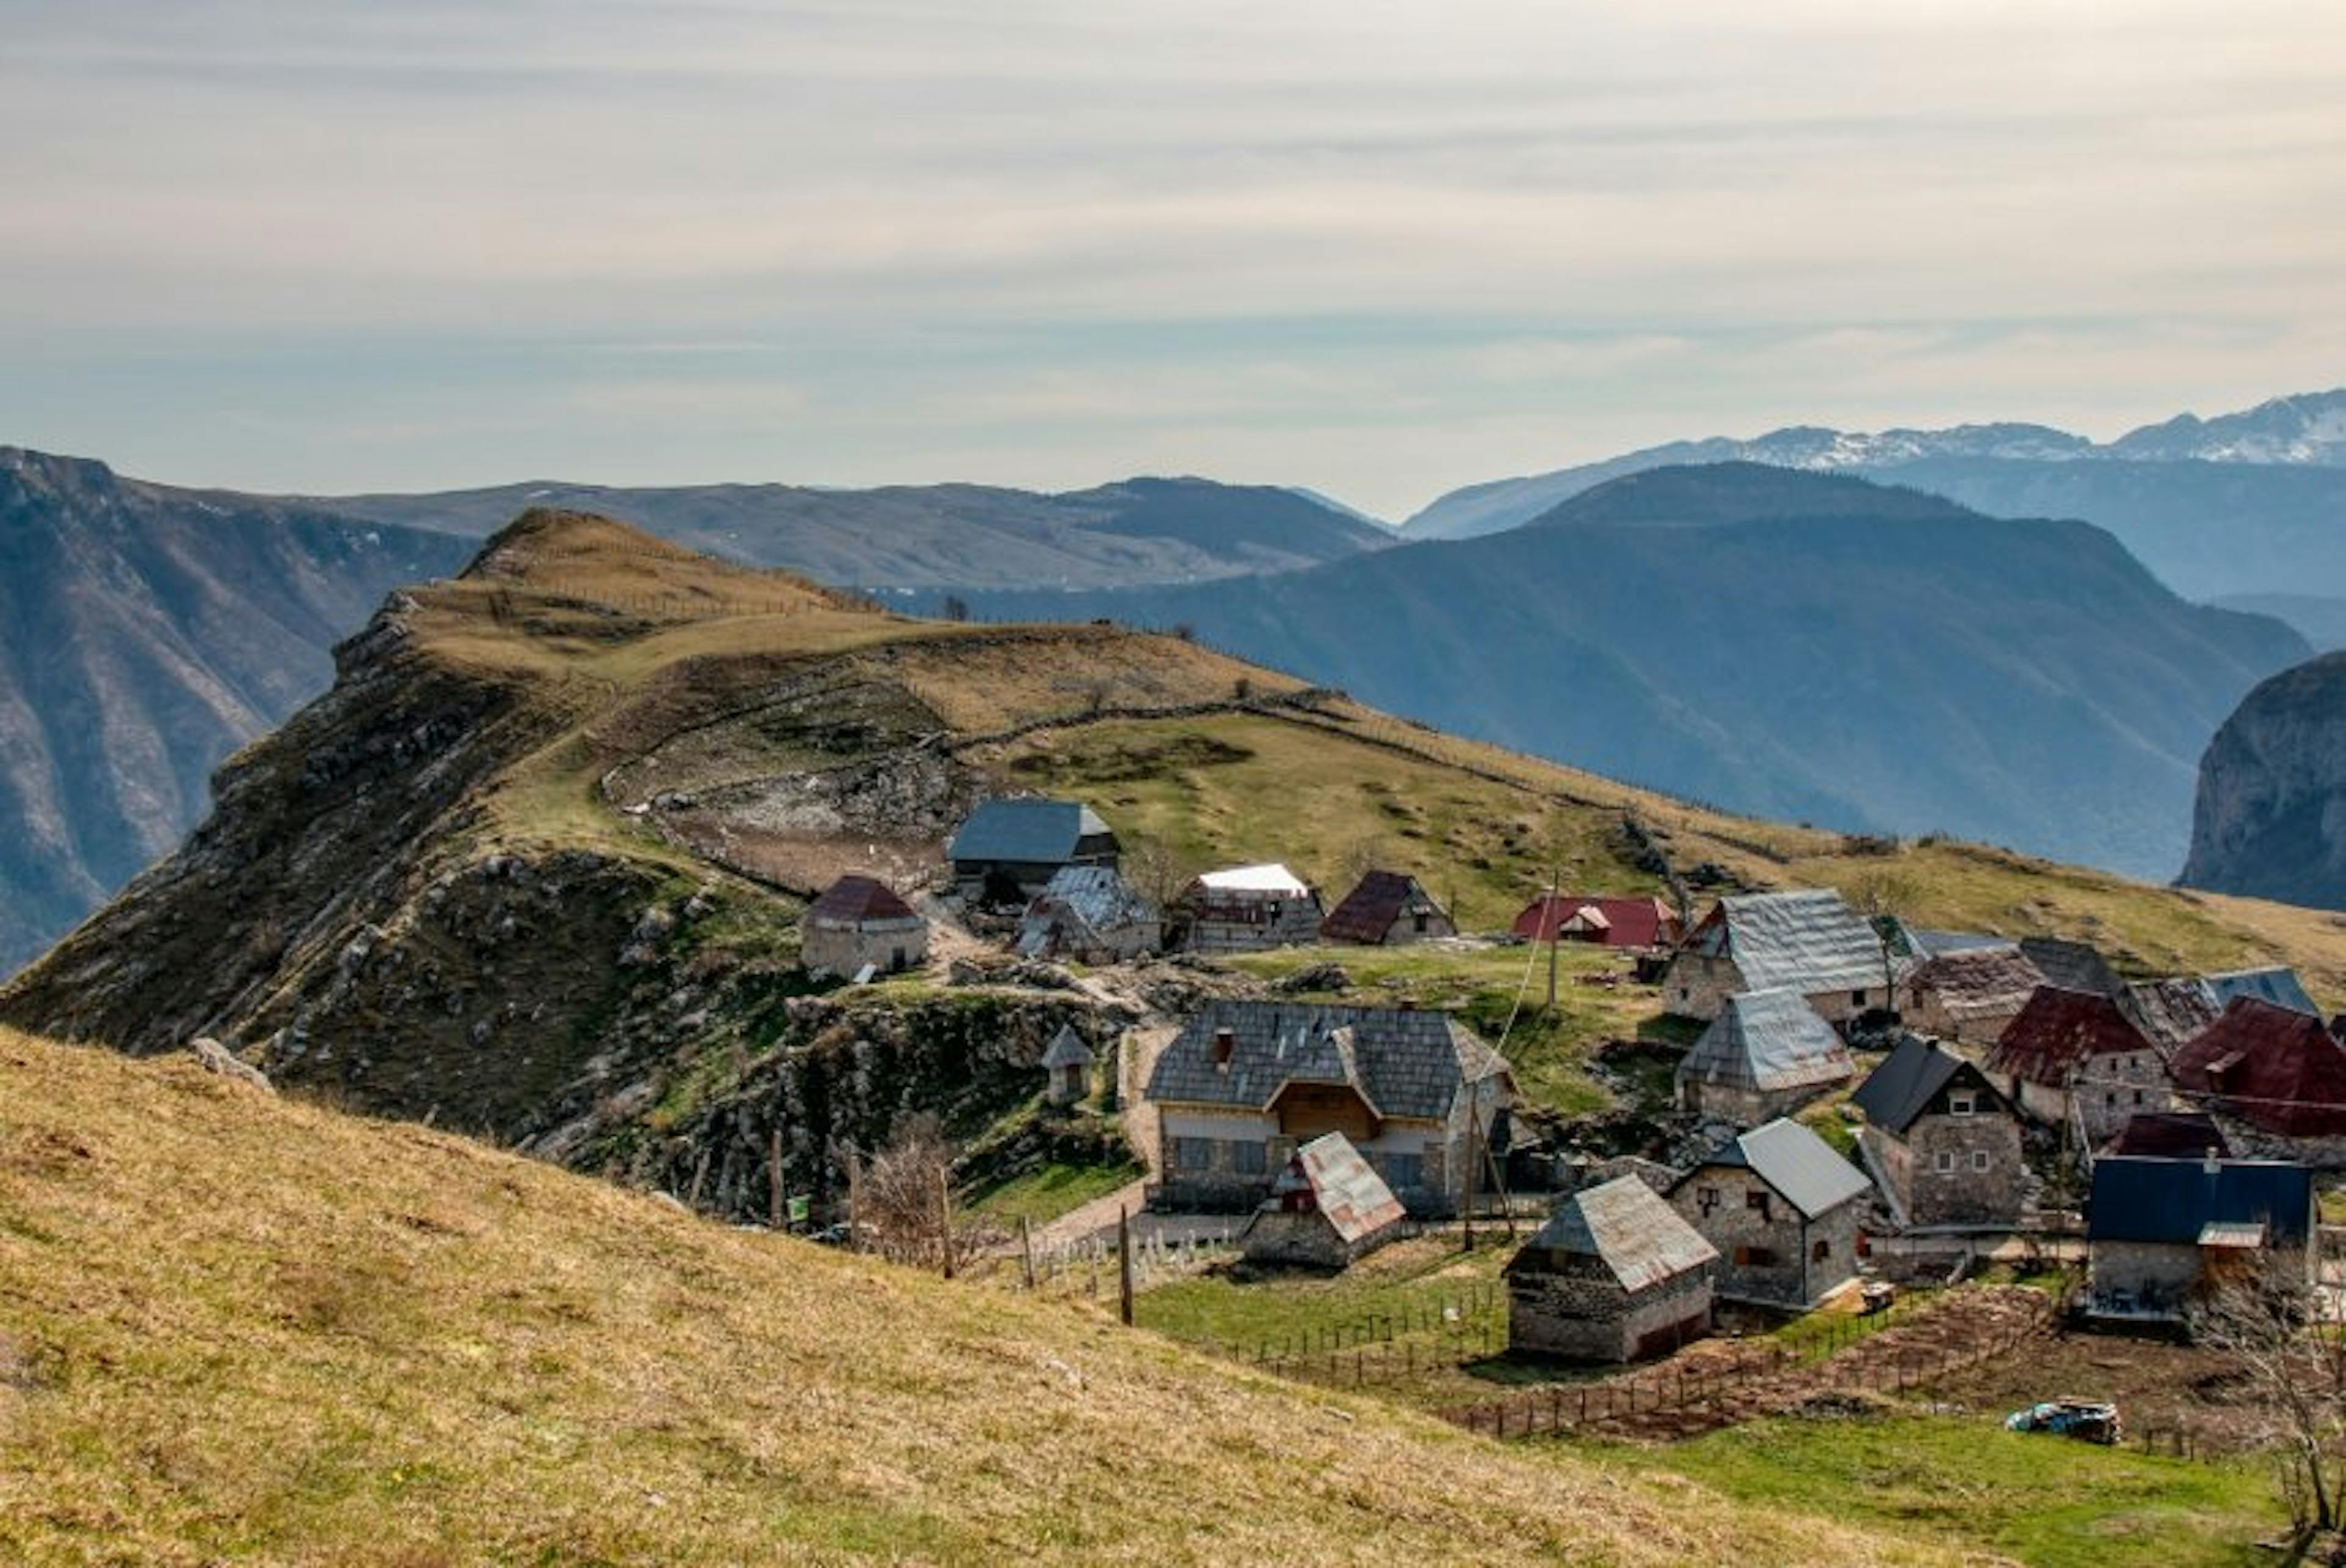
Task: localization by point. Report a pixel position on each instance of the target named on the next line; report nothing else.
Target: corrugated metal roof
(1405, 1062)
(2058, 1035)
(1638, 921)
(2269, 1065)
(1802, 1167)
(860, 901)
(1024, 831)
(1096, 896)
(2279, 986)
(1975, 983)
(1270, 877)
(1628, 1227)
(1370, 910)
(1895, 1094)
(1929, 944)
(1807, 942)
(1345, 1187)
(2172, 1201)
(1768, 1040)
(1067, 1049)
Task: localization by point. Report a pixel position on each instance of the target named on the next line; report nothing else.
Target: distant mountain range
(1783, 643)
(2250, 503)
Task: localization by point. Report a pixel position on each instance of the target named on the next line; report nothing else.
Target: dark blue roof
(1024, 832)
(2138, 1198)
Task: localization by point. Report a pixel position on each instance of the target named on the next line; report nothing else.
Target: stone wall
(1946, 1183)
(2125, 1278)
(1304, 1240)
(1578, 1311)
(1767, 1250)
(1696, 985)
(829, 948)
(1225, 1181)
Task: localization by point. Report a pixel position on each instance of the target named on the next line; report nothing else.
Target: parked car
(2088, 1420)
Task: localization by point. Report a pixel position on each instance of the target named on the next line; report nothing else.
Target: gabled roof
(1405, 1062)
(2171, 1012)
(1369, 911)
(1270, 880)
(1067, 1049)
(2059, 1033)
(858, 900)
(1624, 1225)
(1929, 944)
(2174, 1201)
(1806, 941)
(2277, 985)
(1025, 831)
(1633, 921)
(1345, 1187)
(1802, 1167)
(2071, 965)
(2271, 1066)
(1975, 983)
(2169, 1134)
(1098, 896)
(1899, 1091)
(1768, 1040)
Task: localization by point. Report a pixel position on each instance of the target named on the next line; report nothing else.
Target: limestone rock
(2271, 820)
(218, 1059)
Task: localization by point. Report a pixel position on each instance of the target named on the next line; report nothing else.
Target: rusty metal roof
(2058, 1035)
(860, 901)
(1345, 1187)
(2269, 1065)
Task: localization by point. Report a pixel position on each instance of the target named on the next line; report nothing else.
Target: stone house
(1007, 849)
(1070, 1062)
(1090, 914)
(1812, 943)
(1614, 1275)
(1970, 996)
(1765, 1054)
(1943, 1146)
(1784, 1211)
(1246, 1083)
(2274, 1078)
(1640, 922)
(1388, 908)
(2075, 1057)
(2161, 1233)
(1327, 1209)
(859, 923)
(1246, 908)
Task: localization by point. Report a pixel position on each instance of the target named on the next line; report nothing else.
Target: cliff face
(2271, 820)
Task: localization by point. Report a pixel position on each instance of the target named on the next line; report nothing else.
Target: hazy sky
(1378, 247)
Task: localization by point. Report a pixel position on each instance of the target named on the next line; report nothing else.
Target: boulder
(218, 1059)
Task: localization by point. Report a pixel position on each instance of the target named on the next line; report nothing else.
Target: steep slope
(1788, 645)
(942, 535)
(145, 633)
(235, 1327)
(2319, 619)
(2271, 820)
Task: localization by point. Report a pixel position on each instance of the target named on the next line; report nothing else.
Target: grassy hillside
(238, 1329)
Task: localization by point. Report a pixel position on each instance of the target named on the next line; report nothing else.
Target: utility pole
(1554, 936)
(1124, 1265)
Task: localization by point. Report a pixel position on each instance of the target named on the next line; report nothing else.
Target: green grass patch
(2046, 1501)
(1402, 1283)
(1046, 1194)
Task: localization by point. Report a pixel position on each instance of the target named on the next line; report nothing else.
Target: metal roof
(1369, 911)
(1635, 921)
(1269, 878)
(1979, 981)
(1404, 1062)
(1899, 1091)
(1802, 1167)
(1929, 944)
(2173, 1201)
(1025, 830)
(1807, 942)
(2273, 1067)
(2279, 986)
(860, 901)
(1096, 896)
(1624, 1225)
(2170, 1135)
(2060, 1032)
(1068, 1048)
(1345, 1187)
(1767, 1040)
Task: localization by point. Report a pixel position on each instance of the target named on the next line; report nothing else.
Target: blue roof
(2138, 1198)
(2279, 986)
(1030, 831)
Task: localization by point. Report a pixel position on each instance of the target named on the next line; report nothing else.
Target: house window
(1754, 1257)
(1943, 1162)
(2137, 1096)
(1980, 1161)
(1403, 1171)
(1193, 1153)
(1821, 1251)
(1857, 999)
(1959, 1105)
(1249, 1158)
(1706, 1198)
(1757, 1200)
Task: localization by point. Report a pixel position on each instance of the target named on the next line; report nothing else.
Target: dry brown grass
(247, 1329)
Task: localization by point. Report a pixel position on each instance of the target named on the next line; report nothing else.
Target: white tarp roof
(1272, 877)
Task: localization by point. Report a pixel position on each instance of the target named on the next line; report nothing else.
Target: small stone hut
(1069, 1062)
(1766, 1053)
(1326, 1209)
(1943, 1146)
(858, 924)
(1388, 908)
(1614, 1275)
(1785, 1212)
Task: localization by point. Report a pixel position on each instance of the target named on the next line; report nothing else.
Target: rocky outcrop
(2271, 820)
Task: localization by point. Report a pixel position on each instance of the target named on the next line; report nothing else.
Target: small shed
(1247, 909)
(857, 924)
(1069, 1062)
(1091, 915)
(1326, 1209)
(1388, 909)
(1766, 1053)
(1614, 1275)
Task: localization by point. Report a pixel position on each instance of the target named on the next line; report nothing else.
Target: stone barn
(859, 923)
(1638, 922)
(1246, 1083)
(1388, 908)
(1765, 1055)
(1069, 1062)
(1010, 848)
(2161, 1233)
(1943, 1146)
(1811, 943)
(2275, 1078)
(1785, 1212)
(1247, 909)
(2075, 1053)
(1326, 1209)
(1090, 914)
(1614, 1275)
(1970, 996)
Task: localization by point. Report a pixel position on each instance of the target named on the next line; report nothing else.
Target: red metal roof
(2273, 1067)
(1643, 922)
(851, 901)
(2059, 1031)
